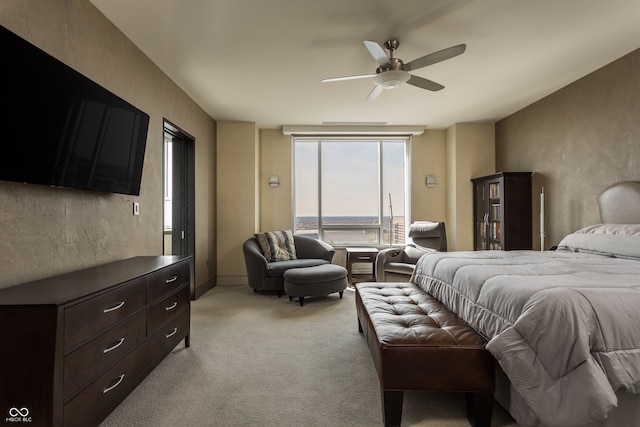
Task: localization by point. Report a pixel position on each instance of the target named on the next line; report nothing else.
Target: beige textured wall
(46, 231)
(454, 156)
(238, 196)
(276, 204)
(470, 151)
(428, 158)
(578, 141)
(245, 165)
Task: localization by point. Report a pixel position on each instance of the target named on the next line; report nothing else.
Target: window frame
(382, 205)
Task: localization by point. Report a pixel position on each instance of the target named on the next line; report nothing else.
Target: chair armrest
(308, 247)
(413, 253)
(406, 255)
(385, 256)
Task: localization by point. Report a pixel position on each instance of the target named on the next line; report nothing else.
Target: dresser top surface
(67, 287)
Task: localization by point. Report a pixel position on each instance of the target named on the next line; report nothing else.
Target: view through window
(351, 191)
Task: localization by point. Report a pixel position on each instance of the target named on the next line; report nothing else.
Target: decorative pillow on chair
(277, 245)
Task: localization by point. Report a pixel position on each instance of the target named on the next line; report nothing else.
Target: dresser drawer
(91, 359)
(95, 402)
(90, 317)
(168, 280)
(161, 312)
(168, 336)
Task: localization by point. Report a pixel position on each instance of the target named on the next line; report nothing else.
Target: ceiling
(263, 61)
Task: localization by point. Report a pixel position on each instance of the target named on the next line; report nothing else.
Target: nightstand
(357, 256)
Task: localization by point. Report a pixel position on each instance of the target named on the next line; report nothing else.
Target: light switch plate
(136, 208)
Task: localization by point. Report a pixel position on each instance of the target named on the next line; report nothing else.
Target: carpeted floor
(260, 360)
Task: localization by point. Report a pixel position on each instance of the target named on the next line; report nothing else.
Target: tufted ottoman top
(404, 314)
(317, 274)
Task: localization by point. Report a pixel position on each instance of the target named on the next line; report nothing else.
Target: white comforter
(565, 327)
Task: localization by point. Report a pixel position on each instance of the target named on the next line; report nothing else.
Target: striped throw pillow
(277, 245)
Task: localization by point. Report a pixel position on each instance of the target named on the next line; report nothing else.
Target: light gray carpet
(260, 360)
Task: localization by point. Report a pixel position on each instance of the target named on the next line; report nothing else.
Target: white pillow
(615, 240)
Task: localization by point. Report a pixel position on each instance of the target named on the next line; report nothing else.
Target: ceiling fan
(392, 72)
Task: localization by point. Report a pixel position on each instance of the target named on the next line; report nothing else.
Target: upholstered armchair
(397, 264)
(267, 275)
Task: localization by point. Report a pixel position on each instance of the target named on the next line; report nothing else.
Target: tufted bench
(417, 344)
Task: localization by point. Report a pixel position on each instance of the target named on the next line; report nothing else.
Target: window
(351, 191)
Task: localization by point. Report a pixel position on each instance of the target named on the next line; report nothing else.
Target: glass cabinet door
(481, 216)
(495, 215)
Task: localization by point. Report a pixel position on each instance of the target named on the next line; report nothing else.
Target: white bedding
(564, 325)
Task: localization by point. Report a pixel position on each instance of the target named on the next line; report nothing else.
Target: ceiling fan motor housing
(391, 75)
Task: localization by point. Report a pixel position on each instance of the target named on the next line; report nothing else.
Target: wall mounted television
(59, 128)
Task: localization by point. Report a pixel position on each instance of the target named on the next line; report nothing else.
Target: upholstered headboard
(620, 203)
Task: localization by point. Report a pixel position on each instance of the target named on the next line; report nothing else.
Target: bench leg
(479, 409)
(392, 407)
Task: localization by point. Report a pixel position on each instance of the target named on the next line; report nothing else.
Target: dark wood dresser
(75, 345)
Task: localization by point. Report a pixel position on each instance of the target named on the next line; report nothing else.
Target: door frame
(189, 196)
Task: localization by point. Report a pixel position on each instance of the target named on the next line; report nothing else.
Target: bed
(564, 325)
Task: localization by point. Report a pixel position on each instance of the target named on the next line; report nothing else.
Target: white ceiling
(263, 61)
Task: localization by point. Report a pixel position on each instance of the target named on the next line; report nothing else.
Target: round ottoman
(314, 281)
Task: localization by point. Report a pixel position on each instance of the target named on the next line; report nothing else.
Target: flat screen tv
(59, 128)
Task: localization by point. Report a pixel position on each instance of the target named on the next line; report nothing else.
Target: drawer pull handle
(366, 257)
(113, 347)
(171, 279)
(114, 308)
(172, 333)
(172, 306)
(117, 383)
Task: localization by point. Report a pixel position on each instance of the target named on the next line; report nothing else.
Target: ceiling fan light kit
(392, 72)
(391, 79)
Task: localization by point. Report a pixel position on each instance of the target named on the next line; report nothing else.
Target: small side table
(361, 255)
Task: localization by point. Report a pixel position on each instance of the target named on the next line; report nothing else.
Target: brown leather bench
(417, 344)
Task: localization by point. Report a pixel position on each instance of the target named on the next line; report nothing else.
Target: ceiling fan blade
(340, 79)
(377, 52)
(435, 57)
(424, 83)
(374, 93)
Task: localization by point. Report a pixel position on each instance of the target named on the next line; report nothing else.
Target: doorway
(178, 191)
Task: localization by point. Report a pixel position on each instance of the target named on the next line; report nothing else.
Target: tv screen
(59, 128)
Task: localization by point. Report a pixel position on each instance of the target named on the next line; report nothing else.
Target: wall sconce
(430, 181)
(274, 181)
